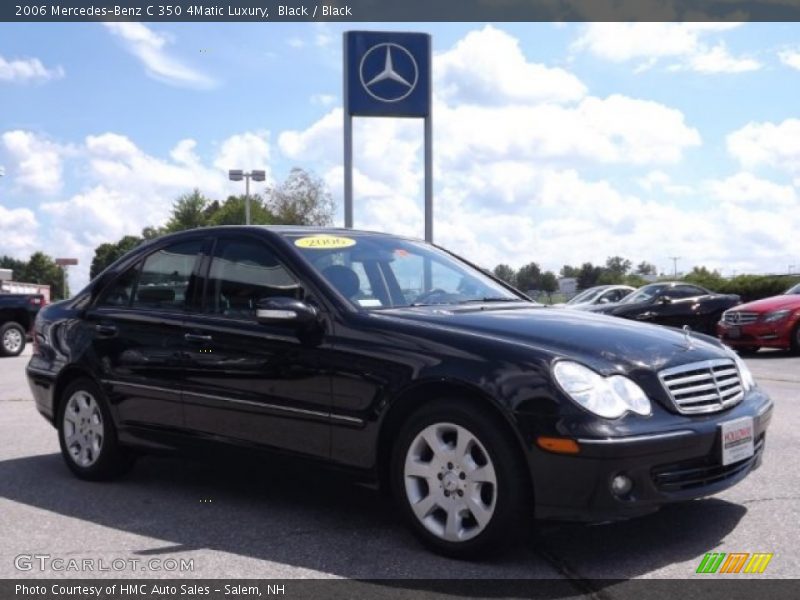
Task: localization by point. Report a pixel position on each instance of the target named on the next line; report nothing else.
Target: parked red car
(767, 323)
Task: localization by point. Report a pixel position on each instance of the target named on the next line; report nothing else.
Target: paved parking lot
(281, 523)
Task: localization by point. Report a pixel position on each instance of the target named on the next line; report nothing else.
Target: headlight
(778, 315)
(748, 382)
(608, 397)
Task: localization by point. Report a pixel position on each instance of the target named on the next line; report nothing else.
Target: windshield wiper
(490, 299)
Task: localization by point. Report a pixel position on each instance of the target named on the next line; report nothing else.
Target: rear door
(246, 381)
(137, 329)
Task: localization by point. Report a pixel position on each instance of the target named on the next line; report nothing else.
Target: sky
(554, 143)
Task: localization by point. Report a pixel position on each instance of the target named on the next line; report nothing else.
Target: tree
(528, 277)
(588, 275)
(645, 268)
(188, 212)
(105, 254)
(618, 266)
(549, 284)
(302, 199)
(232, 212)
(506, 273)
(569, 271)
(41, 268)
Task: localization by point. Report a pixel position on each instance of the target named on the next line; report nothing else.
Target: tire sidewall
(510, 492)
(111, 454)
(7, 327)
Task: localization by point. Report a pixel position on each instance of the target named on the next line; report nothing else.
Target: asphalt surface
(276, 522)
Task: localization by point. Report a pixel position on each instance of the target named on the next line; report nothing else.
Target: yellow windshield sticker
(324, 242)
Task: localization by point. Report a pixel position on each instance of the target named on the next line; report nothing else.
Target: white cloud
(488, 67)
(18, 227)
(245, 151)
(25, 70)
(649, 43)
(791, 58)
(151, 49)
(323, 99)
(745, 189)
(655, 181)
(719, 60)
(767, 144)
(37, 161)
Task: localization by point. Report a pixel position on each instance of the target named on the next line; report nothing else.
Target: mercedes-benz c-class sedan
(398, 361)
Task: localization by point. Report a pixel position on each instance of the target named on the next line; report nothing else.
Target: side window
(242, 273)
(121, 291)
(166, 279)
(686, 291)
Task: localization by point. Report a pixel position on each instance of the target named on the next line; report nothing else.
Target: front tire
(87, 434)
(795, 347)
(457, 479)
(12, 339)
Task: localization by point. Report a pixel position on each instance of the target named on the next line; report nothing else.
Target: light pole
(675, 260)
(238, 175)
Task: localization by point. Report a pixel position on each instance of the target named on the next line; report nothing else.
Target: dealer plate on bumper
(737, 440)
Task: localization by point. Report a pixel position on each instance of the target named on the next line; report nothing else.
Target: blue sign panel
(387, 74)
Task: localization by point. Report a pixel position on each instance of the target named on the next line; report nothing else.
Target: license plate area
(737, 439)
(734, 332)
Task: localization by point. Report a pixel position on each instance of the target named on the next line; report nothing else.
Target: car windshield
(586, 296)
(376, 272)
(795, 289)
(643, 294)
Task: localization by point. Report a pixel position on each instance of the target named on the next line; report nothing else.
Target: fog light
(621, 485)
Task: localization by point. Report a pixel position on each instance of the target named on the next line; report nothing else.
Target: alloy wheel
(12, 340)
(450, 482)
(84, 432)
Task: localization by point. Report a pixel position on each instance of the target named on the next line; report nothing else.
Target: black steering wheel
(430, 294)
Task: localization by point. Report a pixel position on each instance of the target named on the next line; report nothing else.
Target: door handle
(195, 337)
(105, 330)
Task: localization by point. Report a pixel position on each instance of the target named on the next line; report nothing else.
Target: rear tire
(458, 480)
(12, 339)
(87, 434)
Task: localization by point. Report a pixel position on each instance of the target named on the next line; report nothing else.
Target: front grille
(696, 473)
(740, 317)
(703, 387)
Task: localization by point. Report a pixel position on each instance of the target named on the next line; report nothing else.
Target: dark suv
(396, 359)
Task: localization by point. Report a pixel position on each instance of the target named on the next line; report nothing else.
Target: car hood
(771, 304)
(607, 342)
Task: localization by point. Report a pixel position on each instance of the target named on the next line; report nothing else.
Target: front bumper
(762, 335)
(665, 467)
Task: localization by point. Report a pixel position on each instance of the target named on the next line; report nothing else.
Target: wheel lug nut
(446, 493)
(462, 475)
(460, 492)
(440, 476)
(449, 465)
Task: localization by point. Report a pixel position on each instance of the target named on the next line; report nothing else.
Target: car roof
(282, 230)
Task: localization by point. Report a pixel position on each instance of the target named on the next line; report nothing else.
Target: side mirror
(282, 310)
(664, 300)
(604, 301)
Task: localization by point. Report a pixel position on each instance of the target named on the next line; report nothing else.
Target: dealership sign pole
(387, 74)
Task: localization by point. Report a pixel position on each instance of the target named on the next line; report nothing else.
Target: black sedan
(672, 303)
(401, 363)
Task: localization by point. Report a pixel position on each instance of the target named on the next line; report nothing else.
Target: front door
(246, 381)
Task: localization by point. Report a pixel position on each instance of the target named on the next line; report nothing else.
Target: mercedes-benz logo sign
(388, 72)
